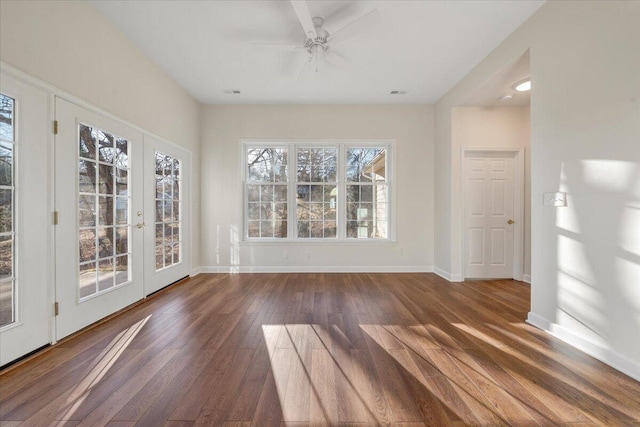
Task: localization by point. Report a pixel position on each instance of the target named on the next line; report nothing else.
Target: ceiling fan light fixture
(523, 85)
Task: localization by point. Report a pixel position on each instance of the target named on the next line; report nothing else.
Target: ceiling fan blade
(334, 58)
(304, 16)
(364, 23)
(277, 46)
(304, 67)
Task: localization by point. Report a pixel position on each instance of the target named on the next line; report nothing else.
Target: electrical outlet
(285, 255)
(555, 199)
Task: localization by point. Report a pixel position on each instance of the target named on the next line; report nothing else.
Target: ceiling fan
(318, 42)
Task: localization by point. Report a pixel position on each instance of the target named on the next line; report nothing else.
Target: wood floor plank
(215, 409)
(112, 405)
(357, 349)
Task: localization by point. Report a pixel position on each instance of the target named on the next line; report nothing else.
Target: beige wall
(71, 46)
(475, 127)
(585, 128)
(224, 126)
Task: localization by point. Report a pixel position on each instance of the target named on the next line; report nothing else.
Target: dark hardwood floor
(320, 349)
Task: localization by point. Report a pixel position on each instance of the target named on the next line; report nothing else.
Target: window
(7, 207)
(266, 189)
(366, 193)
(316, 191)
(168, 217)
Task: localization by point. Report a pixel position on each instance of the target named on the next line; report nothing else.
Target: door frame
(47, 260)
(518, 205)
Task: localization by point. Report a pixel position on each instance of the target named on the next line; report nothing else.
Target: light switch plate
(558, 199)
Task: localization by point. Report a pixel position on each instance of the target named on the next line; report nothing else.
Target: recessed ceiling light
(506, 97)
(523, 85)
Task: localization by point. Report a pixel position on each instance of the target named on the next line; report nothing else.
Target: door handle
(508, 222)
(140, 225)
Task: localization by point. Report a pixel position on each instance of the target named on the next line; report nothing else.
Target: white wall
(224, 126)
(492, 127)
(71, 46)
(585, 133)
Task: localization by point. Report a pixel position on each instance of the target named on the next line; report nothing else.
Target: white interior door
(25, 219)
(167, 201)
(488, 181)
(99, 199)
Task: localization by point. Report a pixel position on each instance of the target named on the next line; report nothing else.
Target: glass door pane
(167, 234)
(103, 218)
(7, 209)
(168, 206)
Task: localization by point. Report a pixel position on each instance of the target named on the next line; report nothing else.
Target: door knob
(140, 225)
(510, 222)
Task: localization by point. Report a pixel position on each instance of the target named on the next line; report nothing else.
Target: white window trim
(291, 145)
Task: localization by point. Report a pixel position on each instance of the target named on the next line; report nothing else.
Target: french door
(167, 201)
(99, 201)
(25, 219)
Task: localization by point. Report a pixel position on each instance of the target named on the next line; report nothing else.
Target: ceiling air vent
(232, 91)
(398, 92)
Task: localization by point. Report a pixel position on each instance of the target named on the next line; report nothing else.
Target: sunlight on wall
(216, 250)
(234, 249)
(630, 271)
(598, 244)
(614, 176)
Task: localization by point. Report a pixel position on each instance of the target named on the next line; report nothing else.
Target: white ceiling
(423, 47)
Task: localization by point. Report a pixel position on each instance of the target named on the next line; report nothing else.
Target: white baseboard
(448, 276)
(539, 322)
(526, 278)
(603, 354)
(318, 269)
(195, 271)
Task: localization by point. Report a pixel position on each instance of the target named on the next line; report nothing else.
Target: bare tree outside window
(168, 221)
(340, 191)
(103, 203)
(266, 192)
(7, 211)
(316, 189)
(366, 193)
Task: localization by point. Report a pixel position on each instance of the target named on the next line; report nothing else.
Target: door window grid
(341, 191)
(7, 211)
(104, 217)
(168, 219)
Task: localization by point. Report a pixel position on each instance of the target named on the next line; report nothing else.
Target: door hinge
(56, 308)
(55, 217)
(55, 127)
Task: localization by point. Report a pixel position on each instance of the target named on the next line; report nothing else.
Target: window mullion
(292, 225)
(341, 217)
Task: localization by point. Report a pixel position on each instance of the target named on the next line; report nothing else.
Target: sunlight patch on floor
(100, 367)
(315, 374)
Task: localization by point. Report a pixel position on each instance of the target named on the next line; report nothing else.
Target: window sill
(318, 242)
